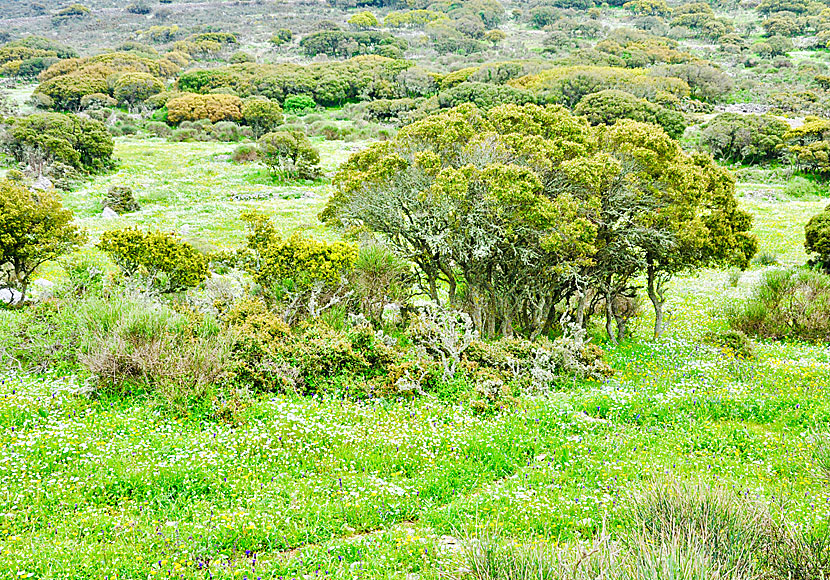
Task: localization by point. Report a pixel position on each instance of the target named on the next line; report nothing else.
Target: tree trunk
(656, 299)
(609, 316)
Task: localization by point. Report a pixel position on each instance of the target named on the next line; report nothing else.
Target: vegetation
(565, 314)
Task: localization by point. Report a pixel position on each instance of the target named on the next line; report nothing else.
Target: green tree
(817, 238)
(135, 88)
(262, 115)
(34, 229)
(289, 153)
(43, 138)
(363, 20)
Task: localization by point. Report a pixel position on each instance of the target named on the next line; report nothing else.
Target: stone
(109, 213)
(10, 296)
(42, 183)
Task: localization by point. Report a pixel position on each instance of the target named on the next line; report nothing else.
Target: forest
(415, 289)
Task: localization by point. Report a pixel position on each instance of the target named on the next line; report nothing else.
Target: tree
(611, 105)
(262, 115)
(34, 229)
(43, 138)
(193, 107)
(135, 88)
(282, 36)
(169, 264)
(289, 153)
(744, 138)
(519, 214)
(495, 36)
(363, 20)
(817, 238)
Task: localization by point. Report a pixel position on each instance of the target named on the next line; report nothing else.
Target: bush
(262, 116)
(282, 36)
(245, 154)
(289, 153)
(817, 238)
(299, 104)
(45, 138)
(606, 107)
(158, 129)
(734, 342)
(192, 107)
(97, 101)
(161, 260)
(789, 304)
(120, 199)
(135, 88)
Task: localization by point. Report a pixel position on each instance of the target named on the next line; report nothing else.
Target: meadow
(102, 486)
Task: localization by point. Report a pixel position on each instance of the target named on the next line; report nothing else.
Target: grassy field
(103, 487)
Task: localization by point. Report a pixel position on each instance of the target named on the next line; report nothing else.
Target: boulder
(109, 213)
(10, 296)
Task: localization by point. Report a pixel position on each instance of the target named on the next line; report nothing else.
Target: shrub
(137, 87)
(97, 101)
(734, 342)
(606, 107)
(120, 199)
(192, 107)
(245, 154)
(282, 36)
(262, 116)
(298, 104)
(787, 304)
(817, 238)
(339, 43)
(158, 129)
(228, 131)
(379, 278)
(363, 20)
(45, 138)
(165, 262)
(34, 229)
(289, 153)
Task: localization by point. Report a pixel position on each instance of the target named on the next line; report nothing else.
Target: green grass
(95, 487)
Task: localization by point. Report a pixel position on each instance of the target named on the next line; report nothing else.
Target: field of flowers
(100, 487)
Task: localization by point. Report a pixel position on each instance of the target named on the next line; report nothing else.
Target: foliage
(161, 260)
(215, 107)
(262, 115)
(120, 199)
(34, 229)
(340, 43)
(744, 138)
(299, 103)
(135, 88)
(791, 304)
(282, 36)
(45, 138)
(517, 208)
(610, 105)
(817, 238)
(363, 20)
(289, 153)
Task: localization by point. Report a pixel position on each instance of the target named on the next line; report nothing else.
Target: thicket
(606, 107)
(43, 139)
(744, 138)
(346, 44)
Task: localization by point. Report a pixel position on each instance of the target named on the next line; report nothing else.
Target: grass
(106, 487)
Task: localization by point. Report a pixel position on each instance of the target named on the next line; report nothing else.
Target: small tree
(34, 229)
(282, 36)
(363, 20)
(135, 88)
(817, 238)
(289, 153)
(299, 104)
(262, 115)
(168, 263)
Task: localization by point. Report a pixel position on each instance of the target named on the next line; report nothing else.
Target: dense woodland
(367, 288)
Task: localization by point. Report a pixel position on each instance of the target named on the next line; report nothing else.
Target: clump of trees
(346, 44)
(744, 138)
(608, 106)
(34, 229)
(526, 216)
(45, 138)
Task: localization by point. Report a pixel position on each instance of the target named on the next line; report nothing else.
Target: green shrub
(298, 104)
(166, 263)
(290, 154)
(744, 138)
(733, 342)
(120, 199)
(262, 116)
(787, 304)
(215, 107)
(282, 36)
(817, 238)
(606, 107)
(245, 154)
(83, 144)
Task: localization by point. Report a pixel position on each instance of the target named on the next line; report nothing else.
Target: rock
(108, 213)
(42, 289)
(42, 183)
(10, 296)
(185, 229)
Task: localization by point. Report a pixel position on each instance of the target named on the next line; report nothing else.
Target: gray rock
(10, 296)
(109, 213)
(42, 183)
